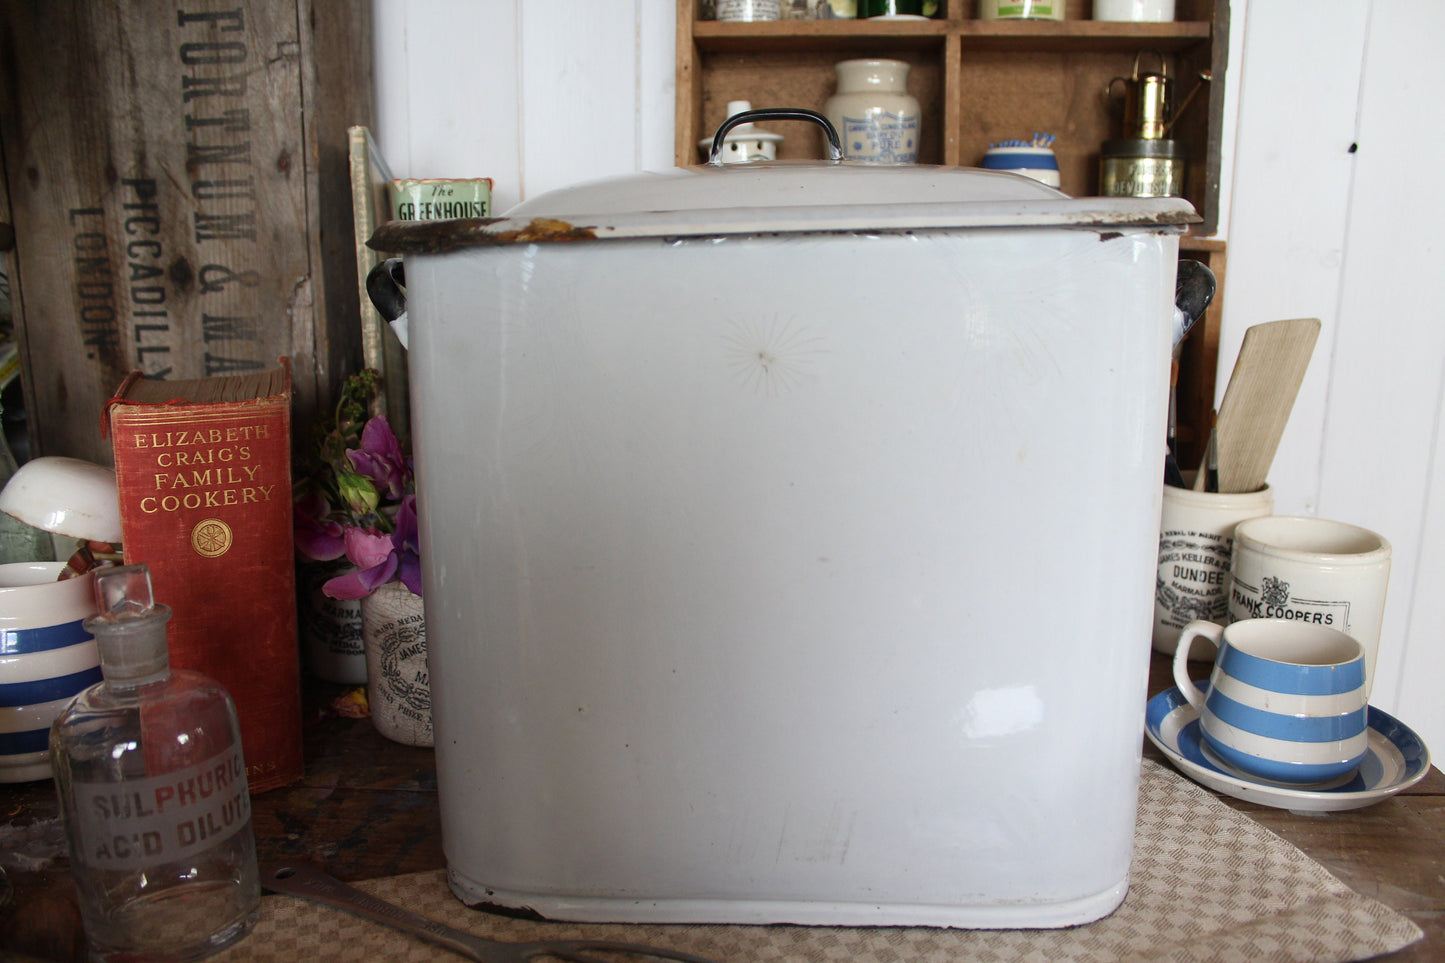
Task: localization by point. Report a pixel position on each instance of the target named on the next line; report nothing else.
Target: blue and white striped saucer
(1396, 758)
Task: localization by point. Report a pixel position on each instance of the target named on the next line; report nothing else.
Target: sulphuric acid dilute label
(144, 822)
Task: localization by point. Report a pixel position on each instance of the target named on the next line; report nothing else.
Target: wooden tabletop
(367, 807)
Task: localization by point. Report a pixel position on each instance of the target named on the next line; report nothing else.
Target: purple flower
(380, 458)
(380, 557)
(317, 538)
(407, 541)
(373, 521)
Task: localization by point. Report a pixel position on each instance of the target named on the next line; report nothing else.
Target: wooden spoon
(1258, 400)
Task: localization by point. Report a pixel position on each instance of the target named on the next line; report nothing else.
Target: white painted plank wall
(538, 96)
(448, 98)
(1289, 212)
(534, 95)
(1380, 449)
(1353, 238)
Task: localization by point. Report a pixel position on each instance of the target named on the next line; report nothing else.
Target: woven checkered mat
(1207, 884)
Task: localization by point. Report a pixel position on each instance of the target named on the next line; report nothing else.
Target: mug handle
(1192, 631)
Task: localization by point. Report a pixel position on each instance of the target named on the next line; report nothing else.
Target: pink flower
(375, 558)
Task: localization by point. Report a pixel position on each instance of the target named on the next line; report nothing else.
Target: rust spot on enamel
(437, 237)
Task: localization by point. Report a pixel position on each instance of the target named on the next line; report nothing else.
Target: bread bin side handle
(386, 287)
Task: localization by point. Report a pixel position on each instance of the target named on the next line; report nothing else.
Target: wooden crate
(176, 179)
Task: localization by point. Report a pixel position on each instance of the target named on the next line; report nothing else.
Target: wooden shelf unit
(979, 82)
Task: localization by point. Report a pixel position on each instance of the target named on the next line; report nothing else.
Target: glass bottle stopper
(129, 627)
(124, 591)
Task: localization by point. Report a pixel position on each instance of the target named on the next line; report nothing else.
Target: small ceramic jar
(1021, 9)
(877, 119)
(1036, 162)
(749, 10)
(745, 143)
(398, 680)
(1136, 11)
(890, 9)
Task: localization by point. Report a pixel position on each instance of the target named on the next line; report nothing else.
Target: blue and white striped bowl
(46, 658)
(1287, 702)
(1036, 162)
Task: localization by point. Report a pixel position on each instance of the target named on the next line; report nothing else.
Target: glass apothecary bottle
(153, 792)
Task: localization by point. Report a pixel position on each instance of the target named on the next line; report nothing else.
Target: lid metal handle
(830, 133)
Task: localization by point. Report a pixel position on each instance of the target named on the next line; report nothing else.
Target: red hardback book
(204, 471)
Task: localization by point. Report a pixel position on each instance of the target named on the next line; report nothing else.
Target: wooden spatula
(1258, 400)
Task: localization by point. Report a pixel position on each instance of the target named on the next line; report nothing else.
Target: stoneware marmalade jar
(877, 119)
(398, 684)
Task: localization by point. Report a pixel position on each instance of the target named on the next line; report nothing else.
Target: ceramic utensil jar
(1196, 543)
(877, 119)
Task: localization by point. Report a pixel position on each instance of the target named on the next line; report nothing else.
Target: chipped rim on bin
(787, 197)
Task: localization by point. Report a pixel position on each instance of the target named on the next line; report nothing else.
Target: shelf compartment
(1081, 35)
(807, 79)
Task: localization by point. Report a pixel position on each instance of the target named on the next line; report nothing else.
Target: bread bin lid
(787, 197)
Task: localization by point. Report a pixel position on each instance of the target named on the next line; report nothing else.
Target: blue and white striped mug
(1286, 700)
(46, 658)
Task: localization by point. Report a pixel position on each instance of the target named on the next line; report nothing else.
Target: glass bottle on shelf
(153, 793)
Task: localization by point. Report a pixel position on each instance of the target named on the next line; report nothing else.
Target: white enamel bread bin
(789, 537)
